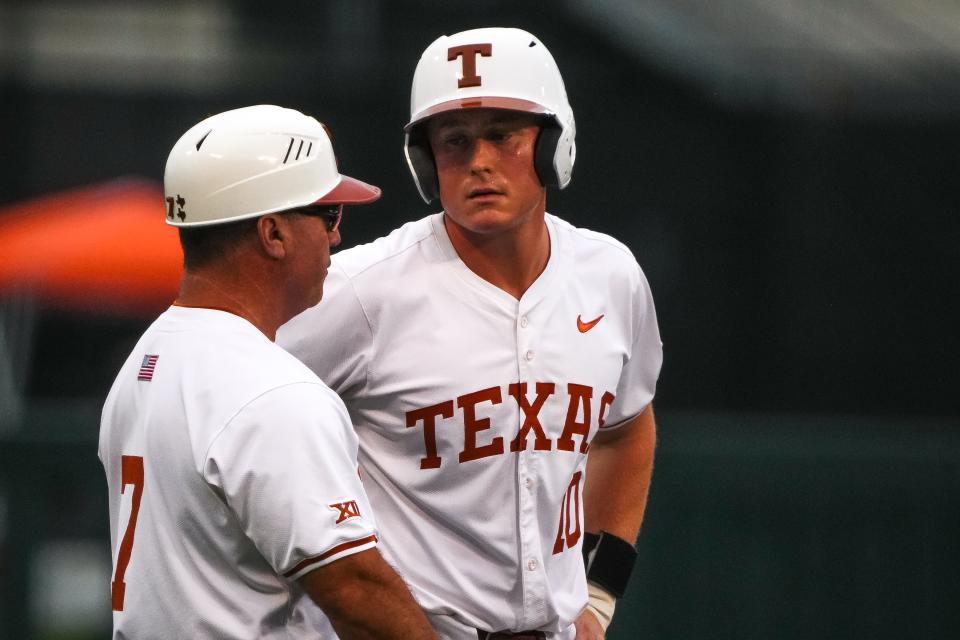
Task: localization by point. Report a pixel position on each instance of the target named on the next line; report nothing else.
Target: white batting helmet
(252, 161)
(497, 68)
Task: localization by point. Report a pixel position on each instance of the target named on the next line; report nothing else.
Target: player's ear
(273, 232)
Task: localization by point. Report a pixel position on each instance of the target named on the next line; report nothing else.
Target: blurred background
(784, 171)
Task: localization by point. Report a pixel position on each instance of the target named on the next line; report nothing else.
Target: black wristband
(590, 541)
(608, 561)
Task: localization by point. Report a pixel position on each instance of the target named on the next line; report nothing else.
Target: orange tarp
(104, 249)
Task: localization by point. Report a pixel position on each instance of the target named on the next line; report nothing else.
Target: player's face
(485, 168)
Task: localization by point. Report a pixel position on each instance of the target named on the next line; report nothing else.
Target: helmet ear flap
(422, 165)
(544, 152)
(555, 152)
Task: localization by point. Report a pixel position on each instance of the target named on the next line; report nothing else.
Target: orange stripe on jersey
(330, 552)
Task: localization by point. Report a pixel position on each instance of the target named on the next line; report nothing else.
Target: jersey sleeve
(286, 465)
(638, 379)
(333, 338)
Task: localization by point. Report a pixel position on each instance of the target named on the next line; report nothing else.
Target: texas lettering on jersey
(577, 423)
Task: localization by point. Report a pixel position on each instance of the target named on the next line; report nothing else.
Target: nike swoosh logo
(586, 326)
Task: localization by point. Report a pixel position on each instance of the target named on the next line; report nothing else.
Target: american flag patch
(146, 368)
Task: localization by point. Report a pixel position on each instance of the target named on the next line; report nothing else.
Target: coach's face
(309, 258)
(485, 168)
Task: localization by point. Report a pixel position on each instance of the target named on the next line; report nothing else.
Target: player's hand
(588, 627)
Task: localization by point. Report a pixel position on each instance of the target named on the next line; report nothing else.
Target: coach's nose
(334, 237)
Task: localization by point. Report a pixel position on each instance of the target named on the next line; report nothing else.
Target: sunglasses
(332, 214)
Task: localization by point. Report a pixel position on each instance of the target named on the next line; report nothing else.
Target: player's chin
(488, 219)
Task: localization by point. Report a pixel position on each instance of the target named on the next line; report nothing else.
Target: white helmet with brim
(252, 161)
(492, 68)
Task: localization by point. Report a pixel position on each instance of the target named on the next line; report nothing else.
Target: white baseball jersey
(232, 472)
(475, 411)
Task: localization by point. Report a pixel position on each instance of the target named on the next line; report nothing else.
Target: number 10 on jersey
(568, 533)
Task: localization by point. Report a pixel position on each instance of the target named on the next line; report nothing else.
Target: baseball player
(234, 494)
(483, 351)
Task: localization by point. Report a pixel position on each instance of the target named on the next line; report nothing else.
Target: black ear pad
(422, 161)
(423, 165)
(544, 152)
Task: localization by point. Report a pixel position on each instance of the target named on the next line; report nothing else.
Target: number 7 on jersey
(131, 472)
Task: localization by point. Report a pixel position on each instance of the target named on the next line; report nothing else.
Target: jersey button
(528, 355)
(524, 322)
(528, 482)
(532, 565)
